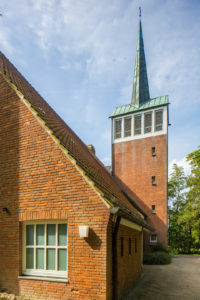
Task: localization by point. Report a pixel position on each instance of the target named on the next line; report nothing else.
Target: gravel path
(178, 281)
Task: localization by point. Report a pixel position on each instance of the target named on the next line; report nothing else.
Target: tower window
(127, 127)
(147, 122)
(122, 246)
(158, 120)
(153, 238)
(137, 124)
(153, 209)
(118, 129)
(153, 151)
(153, 180)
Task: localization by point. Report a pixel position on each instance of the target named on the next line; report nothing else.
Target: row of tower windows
(128, 126)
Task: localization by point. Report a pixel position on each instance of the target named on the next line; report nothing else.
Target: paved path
(178, 281)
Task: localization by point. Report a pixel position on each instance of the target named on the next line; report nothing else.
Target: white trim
(130, 224)
(56, 279)
(142, 135)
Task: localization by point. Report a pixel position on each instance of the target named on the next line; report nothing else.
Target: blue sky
(79, 55)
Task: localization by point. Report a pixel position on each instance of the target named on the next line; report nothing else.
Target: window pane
(62, 234)
(127, 127)
(118, 129)
(137, 124)
(40, 234)
(159, 120)
(40, 258)
(30, 235)
(62, 259)
(51, 261)
(51, 234)
(29, 258)
(147, 122)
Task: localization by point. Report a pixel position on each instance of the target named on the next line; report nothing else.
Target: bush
(156, 258)
(159, 247)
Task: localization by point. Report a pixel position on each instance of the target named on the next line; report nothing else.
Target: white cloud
(181, 163)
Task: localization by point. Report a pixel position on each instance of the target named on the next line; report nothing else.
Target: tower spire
(140, 93)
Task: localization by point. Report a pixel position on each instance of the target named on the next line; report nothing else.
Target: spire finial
(140, 93)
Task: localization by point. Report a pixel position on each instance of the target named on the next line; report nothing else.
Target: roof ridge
(76, 148)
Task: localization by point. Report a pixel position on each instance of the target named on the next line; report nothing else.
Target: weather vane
(140, 12)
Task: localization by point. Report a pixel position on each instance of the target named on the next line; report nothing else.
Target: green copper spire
(140, 92)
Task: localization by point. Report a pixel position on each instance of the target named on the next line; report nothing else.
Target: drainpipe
(114, 211)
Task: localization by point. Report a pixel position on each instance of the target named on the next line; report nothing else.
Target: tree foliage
(184, 206)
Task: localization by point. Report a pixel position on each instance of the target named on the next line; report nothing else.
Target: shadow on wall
(93, 240)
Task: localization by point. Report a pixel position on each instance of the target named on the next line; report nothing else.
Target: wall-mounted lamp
(84, 231)
(5, 209)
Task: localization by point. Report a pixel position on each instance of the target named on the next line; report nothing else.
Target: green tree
(177, 200)
(192, 209)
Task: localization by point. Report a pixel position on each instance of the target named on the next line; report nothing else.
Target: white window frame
(141, 123)
(158, 110)
(115, 120)
(153, 241)
(39, 272)
(125, 118)
(148, 113)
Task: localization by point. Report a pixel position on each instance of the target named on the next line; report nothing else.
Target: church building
(70, 229)
(140, 149)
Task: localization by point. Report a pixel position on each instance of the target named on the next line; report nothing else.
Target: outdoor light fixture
(83, 231)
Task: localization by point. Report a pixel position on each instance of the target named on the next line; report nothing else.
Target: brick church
(69, 228)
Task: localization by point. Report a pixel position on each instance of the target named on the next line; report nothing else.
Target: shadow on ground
(178, 281)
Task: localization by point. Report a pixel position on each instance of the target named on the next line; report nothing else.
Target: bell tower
(140, 150)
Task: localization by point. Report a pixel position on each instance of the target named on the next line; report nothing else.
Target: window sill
(43, 278)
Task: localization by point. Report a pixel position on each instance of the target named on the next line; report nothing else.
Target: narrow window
(153, 151)
(158, 120)
(153, 180)
(137, 124)
(135, 245)
(122, 246)
(147, 122)
(127, 126)
(153, 238)
(118, 129)
(129, 246)
(153, 209)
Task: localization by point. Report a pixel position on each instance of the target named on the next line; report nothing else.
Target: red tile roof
(88, 162)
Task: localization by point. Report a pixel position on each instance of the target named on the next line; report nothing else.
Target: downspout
(114, 211)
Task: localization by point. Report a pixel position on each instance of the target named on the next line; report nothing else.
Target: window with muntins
(137, 124)
(45, 249)
(147, 122)
(158, 120)
(127, 126)
(118, 129)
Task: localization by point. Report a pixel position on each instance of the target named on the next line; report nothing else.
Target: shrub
(156, 258)
(159, 247)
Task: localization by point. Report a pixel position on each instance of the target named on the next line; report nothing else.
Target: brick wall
(134, 164)
(38, 181)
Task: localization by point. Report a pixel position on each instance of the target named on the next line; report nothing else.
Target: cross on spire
(140, 93)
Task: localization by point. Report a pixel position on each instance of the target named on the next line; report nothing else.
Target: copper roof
(88, 162)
